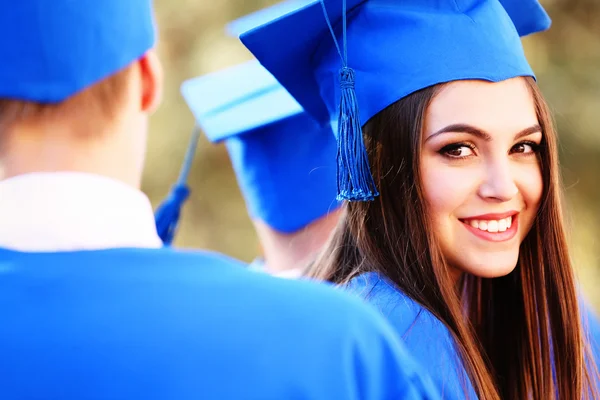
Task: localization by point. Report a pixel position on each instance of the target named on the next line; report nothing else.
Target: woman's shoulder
(427, 338)
(404, 312)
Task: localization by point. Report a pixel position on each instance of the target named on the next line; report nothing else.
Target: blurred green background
(193, 42)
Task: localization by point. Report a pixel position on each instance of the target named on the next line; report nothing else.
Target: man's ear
(151, 75)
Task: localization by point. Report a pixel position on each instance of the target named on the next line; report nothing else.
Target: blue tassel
(167, 214)
(354, 179)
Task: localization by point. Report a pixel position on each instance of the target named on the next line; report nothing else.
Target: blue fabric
(168, 213)
(284, 162)
(251, 21)
(428, 339)
(592, 324)
(395, 48)
(528, 16)
(51, 50)
(594, 328)
(237, 100)
(425, 336)
(161, 324)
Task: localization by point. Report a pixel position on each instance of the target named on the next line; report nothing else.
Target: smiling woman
(468, 182)
(453, 224)
(480, 171)
(465, 249)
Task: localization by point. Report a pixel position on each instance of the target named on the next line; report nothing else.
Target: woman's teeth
(493, 225)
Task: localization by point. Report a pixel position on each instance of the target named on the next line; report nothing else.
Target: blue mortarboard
(282, 105)
(284, 161)
(251, 21)
(384, 50)
(52, 49)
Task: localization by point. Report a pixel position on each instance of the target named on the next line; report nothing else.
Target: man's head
(81, 80)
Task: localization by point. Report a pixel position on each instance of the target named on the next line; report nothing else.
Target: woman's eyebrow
(480, 133)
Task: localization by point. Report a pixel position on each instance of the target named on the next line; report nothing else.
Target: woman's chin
(488, 265)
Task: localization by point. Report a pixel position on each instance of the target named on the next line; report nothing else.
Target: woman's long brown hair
(519, 336)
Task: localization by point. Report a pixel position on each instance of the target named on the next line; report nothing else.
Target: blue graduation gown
(164, 324)
(426, 337)
(429, 341)
(592, 324)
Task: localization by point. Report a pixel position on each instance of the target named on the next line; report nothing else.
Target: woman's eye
(457, 151)
(525, 148)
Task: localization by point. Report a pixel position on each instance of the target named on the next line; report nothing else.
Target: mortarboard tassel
(354, 179)
(168, 213)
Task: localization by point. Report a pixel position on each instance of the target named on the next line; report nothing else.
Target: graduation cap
(246, 107)
(336, 57)
(283, 160)
(52, 49)
(251, 21)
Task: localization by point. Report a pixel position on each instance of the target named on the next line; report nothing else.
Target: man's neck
(284, 252)
(26, 151)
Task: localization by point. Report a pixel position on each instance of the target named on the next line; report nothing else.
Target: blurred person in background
(288, 185)
(284, 162)
(453, 223)
(91, 304)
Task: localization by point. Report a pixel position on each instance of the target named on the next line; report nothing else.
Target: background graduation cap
(284, 162)
(260, 17)
(286, 181)
(337, 57)
(51, 50)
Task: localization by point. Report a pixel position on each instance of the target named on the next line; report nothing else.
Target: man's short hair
(100, 101)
